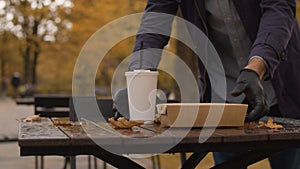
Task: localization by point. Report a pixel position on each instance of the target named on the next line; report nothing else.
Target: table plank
(135, 139)
(240, 134)
(290, 132)
(186, 135)
(154, 142)
(88, 133)
(43, 133)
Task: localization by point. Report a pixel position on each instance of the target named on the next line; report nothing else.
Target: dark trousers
(287, 159)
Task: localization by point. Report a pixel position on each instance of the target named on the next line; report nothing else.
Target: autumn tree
(34, 22)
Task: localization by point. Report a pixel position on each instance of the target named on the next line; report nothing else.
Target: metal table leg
(193, 160)
(116, 160)
(73, 162)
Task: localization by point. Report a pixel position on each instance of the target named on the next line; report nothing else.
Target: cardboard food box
(202, 114)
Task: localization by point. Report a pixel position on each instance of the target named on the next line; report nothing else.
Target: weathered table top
(99, 139)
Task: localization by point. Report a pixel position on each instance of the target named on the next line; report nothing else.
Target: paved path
(9, 114)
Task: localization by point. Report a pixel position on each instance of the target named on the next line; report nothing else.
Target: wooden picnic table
(87, 137)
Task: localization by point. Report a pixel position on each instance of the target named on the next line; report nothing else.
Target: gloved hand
(248, 82)
(121, 102)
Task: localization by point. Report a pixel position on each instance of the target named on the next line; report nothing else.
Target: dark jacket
(272, 28)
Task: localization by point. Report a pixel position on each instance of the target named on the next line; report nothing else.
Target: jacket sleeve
(275, 30)
(153, 33)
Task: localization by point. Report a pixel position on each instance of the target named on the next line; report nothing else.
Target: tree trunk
(2, 57)
(36, 51)
(34, 65)
(2, 68)
(3, 80)
(26, 58)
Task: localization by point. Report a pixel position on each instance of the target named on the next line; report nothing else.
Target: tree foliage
(34, 22)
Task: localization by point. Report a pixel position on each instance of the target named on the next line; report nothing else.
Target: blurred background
(40, 41)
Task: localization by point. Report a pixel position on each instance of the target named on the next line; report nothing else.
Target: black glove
(248, 82)
(121, 103)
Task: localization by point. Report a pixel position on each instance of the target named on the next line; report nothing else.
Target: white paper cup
(141, 87)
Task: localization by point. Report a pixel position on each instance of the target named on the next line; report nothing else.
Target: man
(259, 45)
